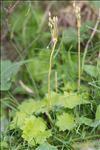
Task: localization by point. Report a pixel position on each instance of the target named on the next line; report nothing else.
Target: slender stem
(79, 65)
(49, 73)
(56, 82)
(50, 119)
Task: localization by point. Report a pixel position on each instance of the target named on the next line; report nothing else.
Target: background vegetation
(25, 54)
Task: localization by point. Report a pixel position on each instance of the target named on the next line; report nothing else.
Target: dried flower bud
(77, 10)
(53, 25)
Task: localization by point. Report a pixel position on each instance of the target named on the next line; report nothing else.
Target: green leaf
(98, 113)
(95, 124)
(70, 87)
(56, 99)
(34, 130)
(90, 70)
(4, 145)
(8, 70)
(5, 79)
(72, 99)
(46, 146)
(39, 66)
(18, 120)
(85, 120)
(68, 99)
(88, 122)
(70, 36)
(65, 122)
(33, 106)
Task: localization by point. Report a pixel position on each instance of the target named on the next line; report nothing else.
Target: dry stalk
(54, 36)
(90, 39)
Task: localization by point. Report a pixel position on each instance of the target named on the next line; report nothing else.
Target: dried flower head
(77, 10)
(53, 25)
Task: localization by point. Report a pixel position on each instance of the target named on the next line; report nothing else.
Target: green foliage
(98, 113)
(70, 35)
(33, 106)
(68, 99)
(98, 71)
(67, 36)
(72, 116)
(34, 131)
(18, 120)
(5, 83)
(65, 121)
(85, 120)
(72, 99)
(8, 71)
(91, 70)
(46, 146)
(4, 145)
(39, 66)
(89, 122)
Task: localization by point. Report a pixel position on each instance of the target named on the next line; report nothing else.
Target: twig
(12, 7)
(26, 88)
(93, 29)
(90, 39)
(8, 11)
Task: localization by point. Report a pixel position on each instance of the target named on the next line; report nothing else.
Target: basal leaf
(65, 122)
(72, 99)
(34, 131)
(31, 106)
(68, 99)
(56, 99)
(18, 120)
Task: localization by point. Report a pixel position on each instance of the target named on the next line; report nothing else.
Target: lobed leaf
(65, 122)
(34, 131)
